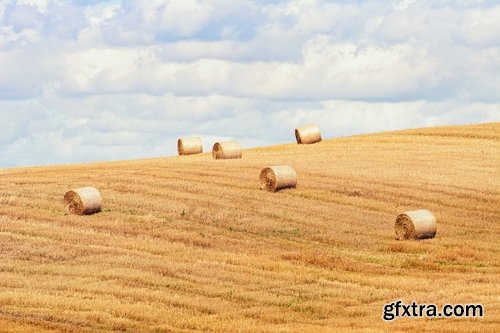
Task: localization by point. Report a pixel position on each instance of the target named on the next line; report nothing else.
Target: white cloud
(40, 5)
(481, 27)
(100, 15)
(327, 70)
(87, 80)
(402, 5)
(138, 126)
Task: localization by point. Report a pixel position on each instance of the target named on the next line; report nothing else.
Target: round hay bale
(83, 201)
(226, 150)
(189, 146)
(275, 178)
(308, 134)
(416, 224)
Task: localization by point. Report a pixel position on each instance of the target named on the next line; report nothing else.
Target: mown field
(191, 244)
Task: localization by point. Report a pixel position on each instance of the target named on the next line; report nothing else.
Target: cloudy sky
(102, 80)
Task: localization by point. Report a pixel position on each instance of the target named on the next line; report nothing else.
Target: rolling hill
(191, 244)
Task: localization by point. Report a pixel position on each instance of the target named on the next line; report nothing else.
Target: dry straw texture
(308, 134)
(275, 178)
(83, 201)
(196, 246)
(416, 224)
(189, 146)
(226, 150)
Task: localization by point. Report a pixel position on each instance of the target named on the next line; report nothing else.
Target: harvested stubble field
(191, 244)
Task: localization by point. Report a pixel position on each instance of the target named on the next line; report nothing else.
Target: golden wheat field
(192, 244)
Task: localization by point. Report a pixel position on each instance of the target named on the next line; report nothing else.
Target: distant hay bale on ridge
(83, 201)
(275, 178)
(189, 146)
(308, 134)
(226, 150)
(416, 224)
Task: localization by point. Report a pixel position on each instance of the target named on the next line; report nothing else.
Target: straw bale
(83, 201)
(189, 146)
(416, 224)
(275, 178)
(226, 150)
(308, 134)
